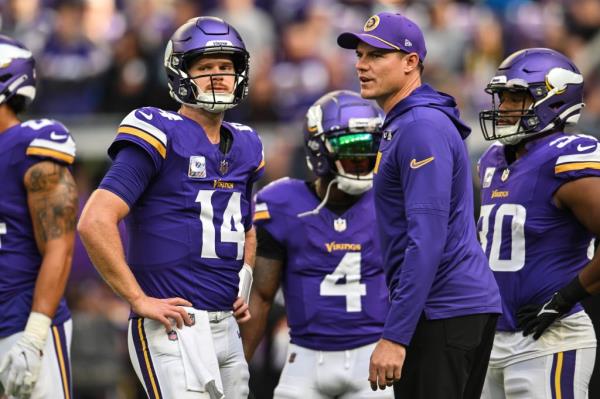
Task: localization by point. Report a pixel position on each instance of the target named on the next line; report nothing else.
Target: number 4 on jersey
(352, 289)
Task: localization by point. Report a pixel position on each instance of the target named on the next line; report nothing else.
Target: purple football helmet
(17, 71)
(342, 136)
(554, 85)
(204, 36)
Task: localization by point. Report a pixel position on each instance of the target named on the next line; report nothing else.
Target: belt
(218, 316)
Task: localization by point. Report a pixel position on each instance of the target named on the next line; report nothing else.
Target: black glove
(536, 318)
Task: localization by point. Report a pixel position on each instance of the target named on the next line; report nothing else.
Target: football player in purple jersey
(539, 215)
(318, 240)
(38, 212)
(182, 181)
(444, 301)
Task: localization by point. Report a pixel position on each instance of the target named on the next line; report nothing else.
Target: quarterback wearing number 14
(183, 180)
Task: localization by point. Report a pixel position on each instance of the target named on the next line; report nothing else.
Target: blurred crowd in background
(104, 57)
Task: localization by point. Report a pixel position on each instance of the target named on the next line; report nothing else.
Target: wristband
(245, 282)
(38, 325)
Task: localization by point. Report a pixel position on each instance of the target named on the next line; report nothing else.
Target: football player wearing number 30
(539, 213)
(319, 241)
(182, 181)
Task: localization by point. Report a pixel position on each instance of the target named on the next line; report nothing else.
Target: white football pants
(313, 374)
(55, 374)
(564, 375)
(157, 360)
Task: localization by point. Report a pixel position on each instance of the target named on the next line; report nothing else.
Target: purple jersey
(23, 146)
(187, 230)
(533, 247)
(333, 282)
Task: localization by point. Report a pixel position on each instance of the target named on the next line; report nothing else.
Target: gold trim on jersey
(567, 167)
(147, 137)
(261, 215)
(45, 152)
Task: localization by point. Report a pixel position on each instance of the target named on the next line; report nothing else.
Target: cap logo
(407, 43)
(371, 23)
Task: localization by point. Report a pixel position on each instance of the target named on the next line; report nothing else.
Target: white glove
(245, 282)
(20, 368)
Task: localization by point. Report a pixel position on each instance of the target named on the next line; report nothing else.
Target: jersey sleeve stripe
(593, 156)
(261, 215)
(567, 167)
(131, 120)
(67, 147)
(261, 206)
(147, 137)
(46, 152)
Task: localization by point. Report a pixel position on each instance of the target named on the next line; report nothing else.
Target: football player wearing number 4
(38, 212)
(319, 241)
(183, 182)
(539, 214)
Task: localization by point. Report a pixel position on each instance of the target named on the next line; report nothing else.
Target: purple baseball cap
(388, 31)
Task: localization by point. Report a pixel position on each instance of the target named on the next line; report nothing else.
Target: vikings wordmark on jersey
(187, 231)
(333, 283)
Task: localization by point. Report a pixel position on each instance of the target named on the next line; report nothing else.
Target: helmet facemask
(351, 157)
(551, 82)
(509, 126)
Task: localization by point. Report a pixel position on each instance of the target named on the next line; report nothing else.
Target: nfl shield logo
(505, 174)
(339, 225)
(172, 335)
(223, 167)
(197, 169)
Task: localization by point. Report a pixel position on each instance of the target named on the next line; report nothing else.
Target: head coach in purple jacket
(444, 299)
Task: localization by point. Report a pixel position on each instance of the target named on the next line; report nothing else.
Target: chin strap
(323, 202)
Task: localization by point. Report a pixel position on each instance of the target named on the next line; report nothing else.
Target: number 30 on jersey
(513, 237)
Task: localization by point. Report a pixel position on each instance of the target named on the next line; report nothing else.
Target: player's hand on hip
(241, 312)
(386, 364)
(167, 311)
(20, 368)
(535, 319)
